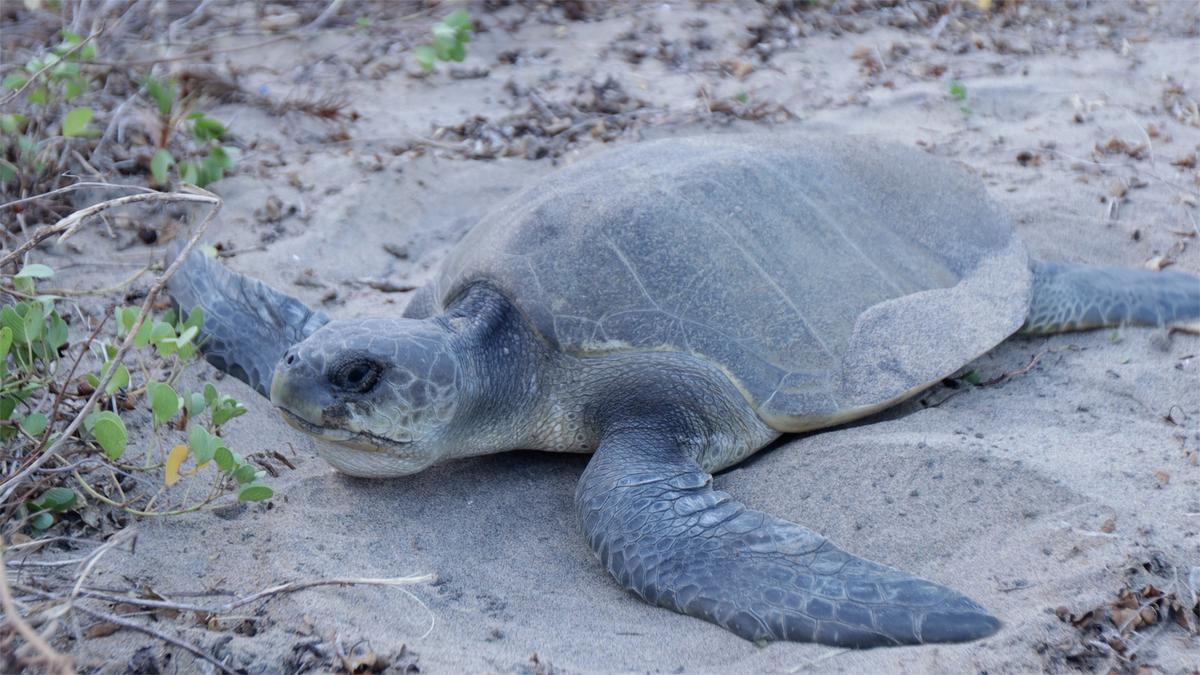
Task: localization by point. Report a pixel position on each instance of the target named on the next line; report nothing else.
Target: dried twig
(169, 639)
(73, 186)
(1005, 377)
(54, 661)
(204, 53)
(289, 587)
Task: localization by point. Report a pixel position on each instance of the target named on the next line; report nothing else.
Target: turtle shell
(828, 277)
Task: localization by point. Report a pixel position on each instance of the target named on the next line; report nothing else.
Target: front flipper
(247, 324)
(651, 516)
(1080, 297)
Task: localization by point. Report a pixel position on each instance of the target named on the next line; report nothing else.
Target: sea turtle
(672, 307)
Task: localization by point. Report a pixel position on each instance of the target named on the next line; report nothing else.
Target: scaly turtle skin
(673, 307)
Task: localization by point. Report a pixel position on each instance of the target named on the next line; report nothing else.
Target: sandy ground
(1040, 492)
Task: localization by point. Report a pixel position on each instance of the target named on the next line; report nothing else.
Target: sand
(1035, 493)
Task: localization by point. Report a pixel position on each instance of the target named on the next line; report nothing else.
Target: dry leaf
(1109, 526)
(1162, 476)
(1185, 162)
(1125, 619)
(102, 629)
(360, 664)
(174, 461)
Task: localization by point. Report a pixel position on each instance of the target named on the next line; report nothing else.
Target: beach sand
(1057, 487)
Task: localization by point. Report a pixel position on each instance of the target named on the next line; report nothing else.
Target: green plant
(207, 160)
(450, 37)
(959, 91)
(40, 511)
(39, 391)
(49, 82)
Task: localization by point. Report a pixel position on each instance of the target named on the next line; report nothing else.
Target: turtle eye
(357, 375)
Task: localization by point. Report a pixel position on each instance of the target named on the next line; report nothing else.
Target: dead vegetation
(1158, 599)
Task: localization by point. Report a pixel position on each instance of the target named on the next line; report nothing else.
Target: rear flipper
(1078, 297)
(653, 519)
(247, 324)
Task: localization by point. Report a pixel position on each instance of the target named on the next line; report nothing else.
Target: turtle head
(383, 392)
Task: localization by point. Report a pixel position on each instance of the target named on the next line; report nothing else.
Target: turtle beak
(296, 390)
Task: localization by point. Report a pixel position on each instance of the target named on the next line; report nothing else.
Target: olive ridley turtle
(673, 307)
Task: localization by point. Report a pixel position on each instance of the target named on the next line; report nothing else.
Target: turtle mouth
(361, 440)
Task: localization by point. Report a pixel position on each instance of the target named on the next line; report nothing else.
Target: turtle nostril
(290, 359)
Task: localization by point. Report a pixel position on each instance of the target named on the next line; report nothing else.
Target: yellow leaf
(174, 461)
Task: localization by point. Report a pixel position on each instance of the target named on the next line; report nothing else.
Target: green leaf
(224, 156)
(41, 521)
(34, 424)
(160, 164)
(206, 128)
(13, 321)
(70, 39)
(363, 22)
(164, 402)
(110, 433)
(459, 19)
(160, 332)
(186, 352)
(254, 492)
(6, 340)
(162, 93)
(210, 393)
(425, 56)
(144, 333)
(87, 52)
(120, 379)
(458, 52)
(204, 445)
(125, 318)
(37, 96)
(195, 318)
(186, 336)
(73, 88)
(35, 271)
(14, 81)
(224, 459)
(12, 123)
(194, 403)
(57, 499)
(65, 70)
(189, 173)
(76, 121)
(8, 171)
(443, 41)
(226, 410)
(57, 332)
(972, 377)
(245, 473)
(32, 324)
